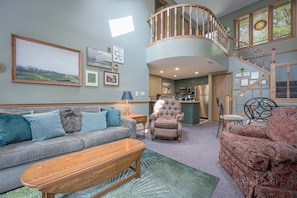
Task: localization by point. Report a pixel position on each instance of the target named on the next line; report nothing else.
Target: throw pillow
(93, 121)
(14, 128)
(113, 117)
(71, 119)
(45, 125)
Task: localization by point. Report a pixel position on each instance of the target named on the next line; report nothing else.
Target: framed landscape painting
(35, 61)
(99, 58)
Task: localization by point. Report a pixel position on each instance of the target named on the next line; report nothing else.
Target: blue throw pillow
(93, 121)
(113, 116)
(14, 128)
(45, 125)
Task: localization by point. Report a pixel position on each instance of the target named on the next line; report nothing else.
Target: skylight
(121, 26)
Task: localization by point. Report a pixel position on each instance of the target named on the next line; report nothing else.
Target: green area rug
(160, 177)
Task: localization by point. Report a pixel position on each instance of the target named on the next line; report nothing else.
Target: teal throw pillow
(14, 128)
(92, 121)
(113, 116)
(45, 125)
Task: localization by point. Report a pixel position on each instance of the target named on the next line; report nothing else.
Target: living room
(80, 25)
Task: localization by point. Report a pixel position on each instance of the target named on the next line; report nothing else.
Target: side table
(139, 118)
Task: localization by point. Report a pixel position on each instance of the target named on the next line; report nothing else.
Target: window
(266, 24)
(282, 20)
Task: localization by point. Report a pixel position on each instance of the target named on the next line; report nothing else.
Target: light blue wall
(76, 24)
(187, 47)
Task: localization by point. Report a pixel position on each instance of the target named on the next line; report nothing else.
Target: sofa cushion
(110, 134)
(45, 125)
(28, 151)
(14, 128)
(250, 150)
(282, 124)
(113, 117)
(93, 121)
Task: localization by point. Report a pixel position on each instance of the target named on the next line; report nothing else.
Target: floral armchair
(166, 119)
(262, 159)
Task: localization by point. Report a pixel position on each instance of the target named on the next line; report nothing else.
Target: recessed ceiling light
(176, 68)
(174, 76)
(161, 71)
(196, 72)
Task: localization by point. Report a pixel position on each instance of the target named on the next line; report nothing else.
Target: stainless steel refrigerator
(201, 94)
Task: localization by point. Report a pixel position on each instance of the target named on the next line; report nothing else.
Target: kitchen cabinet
(191, 112)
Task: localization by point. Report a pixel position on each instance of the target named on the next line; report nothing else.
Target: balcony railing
(188, 20)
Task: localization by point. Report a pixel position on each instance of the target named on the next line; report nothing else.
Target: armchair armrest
(281, 152)
(154, 116)
(249, 130)
(179, 116)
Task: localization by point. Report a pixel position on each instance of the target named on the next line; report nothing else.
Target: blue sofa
(17, 155)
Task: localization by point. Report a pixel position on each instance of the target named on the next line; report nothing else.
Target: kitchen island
(190, 108)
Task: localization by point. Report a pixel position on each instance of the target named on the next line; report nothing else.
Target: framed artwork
(254, 75)
(244, 82)
(238, 75)
(99, 58)
(91, 78)
(118, 54)
(35, 61)
(111, 79)
(246, 74)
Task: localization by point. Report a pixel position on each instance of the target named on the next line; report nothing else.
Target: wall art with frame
(111, 79)
(99, 58)
(91, 78)
(35, 61)
(118, 54)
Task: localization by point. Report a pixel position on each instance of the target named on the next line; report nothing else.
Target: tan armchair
(262, 159)
(166, 120)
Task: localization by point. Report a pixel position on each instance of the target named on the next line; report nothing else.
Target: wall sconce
(127, 96)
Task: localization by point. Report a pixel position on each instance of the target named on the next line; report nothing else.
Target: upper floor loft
(190, 36)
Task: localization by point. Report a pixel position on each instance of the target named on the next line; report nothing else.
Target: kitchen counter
(190, 108)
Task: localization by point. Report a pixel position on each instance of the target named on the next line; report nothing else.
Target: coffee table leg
(48, 195)
(138, 168)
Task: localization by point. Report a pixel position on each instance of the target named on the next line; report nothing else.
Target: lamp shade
(127, 95)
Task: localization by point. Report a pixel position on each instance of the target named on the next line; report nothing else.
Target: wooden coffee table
(86, 168)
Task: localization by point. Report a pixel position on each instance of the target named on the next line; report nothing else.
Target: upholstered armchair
(166, 119)
(262, 159)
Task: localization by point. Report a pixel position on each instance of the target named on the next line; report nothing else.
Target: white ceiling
(219, 8)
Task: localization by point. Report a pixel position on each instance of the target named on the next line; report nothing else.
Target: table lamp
(127, 96)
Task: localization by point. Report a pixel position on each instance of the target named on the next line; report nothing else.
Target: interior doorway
(222, 86)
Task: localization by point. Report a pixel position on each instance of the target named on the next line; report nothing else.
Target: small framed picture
(246, 74)
(238, 75)
(254, 75)
(244, 82)
(252, 81)
(236, 81)
(91, 78)
(118, 54)
(111, 79)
